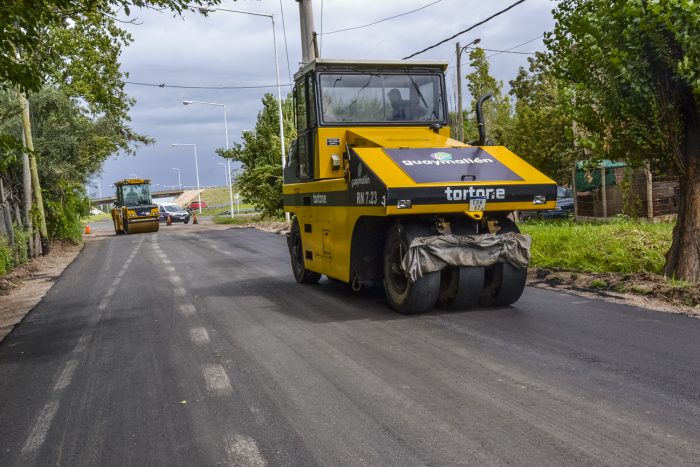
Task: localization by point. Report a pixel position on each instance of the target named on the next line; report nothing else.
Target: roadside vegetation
(623, 245)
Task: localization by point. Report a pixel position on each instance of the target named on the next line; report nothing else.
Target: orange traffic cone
(194, 218)
(87, 229)
(168, 221)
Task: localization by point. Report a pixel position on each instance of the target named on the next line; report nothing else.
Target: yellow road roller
(134, 211)
(379, 192)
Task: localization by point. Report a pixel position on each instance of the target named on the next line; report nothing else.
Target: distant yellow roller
(134, 211)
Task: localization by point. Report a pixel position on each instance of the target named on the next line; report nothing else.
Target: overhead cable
(467, 30)
(381, 20)
(178, 86)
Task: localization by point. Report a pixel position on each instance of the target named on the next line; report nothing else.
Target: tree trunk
(38, 197)
(683, 259)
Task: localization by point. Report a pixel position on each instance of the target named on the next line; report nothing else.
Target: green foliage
(496, 110)
(71, 143)
(6, 262)
(636, 70)
(542, 129)
(65, 210)
(29, 54)
(620, 246)
(260, 182)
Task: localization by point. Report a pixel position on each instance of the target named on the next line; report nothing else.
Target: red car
(195, 205)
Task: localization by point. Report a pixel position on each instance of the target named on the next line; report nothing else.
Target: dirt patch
(642, 289)
(26, 285)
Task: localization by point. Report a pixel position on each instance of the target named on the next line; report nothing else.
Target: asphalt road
(195, 347)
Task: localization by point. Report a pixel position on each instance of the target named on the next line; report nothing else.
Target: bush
(64, 215)
(6, 262)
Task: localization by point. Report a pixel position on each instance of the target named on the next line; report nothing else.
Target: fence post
(573, 188)
(603, 192)
(650, 192)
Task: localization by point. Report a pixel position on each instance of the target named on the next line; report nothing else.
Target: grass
(620, 246)
(98, 217)
(218, 201)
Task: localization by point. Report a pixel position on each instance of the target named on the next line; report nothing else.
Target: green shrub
(64, 215)
(6, 262)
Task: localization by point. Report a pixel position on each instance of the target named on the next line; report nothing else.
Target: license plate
(477, 204)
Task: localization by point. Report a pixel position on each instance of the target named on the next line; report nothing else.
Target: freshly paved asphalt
(195, 347)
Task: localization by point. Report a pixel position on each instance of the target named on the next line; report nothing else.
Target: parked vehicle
(176, 213)
(564, 208)
(195, 205)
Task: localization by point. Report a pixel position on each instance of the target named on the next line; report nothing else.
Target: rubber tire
(126, 227)
(186, 221)
(500, 274)
(403, 296)
(460, 287)
(301, 274)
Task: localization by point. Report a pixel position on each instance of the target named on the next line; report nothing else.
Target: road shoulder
(23, 288)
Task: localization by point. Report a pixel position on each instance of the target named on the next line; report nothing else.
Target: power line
(508, 50)
(467, 30)
(286, 49)
(178, 86)
(381, 20)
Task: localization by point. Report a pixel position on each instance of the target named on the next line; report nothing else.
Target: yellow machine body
(373, 151)
(134, 211)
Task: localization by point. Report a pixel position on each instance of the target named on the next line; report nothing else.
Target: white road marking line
(103, 304)
(174, 278)
(199, 335)
(217, 380)
(110, 291)
(243, 450)
(41, 427)
(82, 343)
(166, 261)
(66, 374)
(179, 291)
(169, 268)
(187, 309)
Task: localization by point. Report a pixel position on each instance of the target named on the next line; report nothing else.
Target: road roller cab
(380, 192)
(134, 211)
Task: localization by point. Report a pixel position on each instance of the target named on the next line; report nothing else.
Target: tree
(542, 126)
(261, 179)
(25, 60)
(496, 110)
(635, 66)
(70, 144)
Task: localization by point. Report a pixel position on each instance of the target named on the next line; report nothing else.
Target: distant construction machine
(134, 211)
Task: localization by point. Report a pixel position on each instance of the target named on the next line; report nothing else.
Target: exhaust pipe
(480, 118)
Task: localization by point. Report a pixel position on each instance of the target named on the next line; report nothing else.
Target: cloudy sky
(227, 50)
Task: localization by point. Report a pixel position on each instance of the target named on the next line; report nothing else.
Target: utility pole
(38, 198)
(27, 197)
(460, 114)
(306, 16)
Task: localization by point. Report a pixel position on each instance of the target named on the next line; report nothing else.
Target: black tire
(403, 296)
(186, 221)
(504, 283)
(126, 227)
(460, 287)
(296, 253)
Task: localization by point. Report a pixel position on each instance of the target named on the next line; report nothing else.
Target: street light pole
(179, 183)
(196, 167)
(228, 161)
(460, 116)
(277, 74)
(226, 175)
